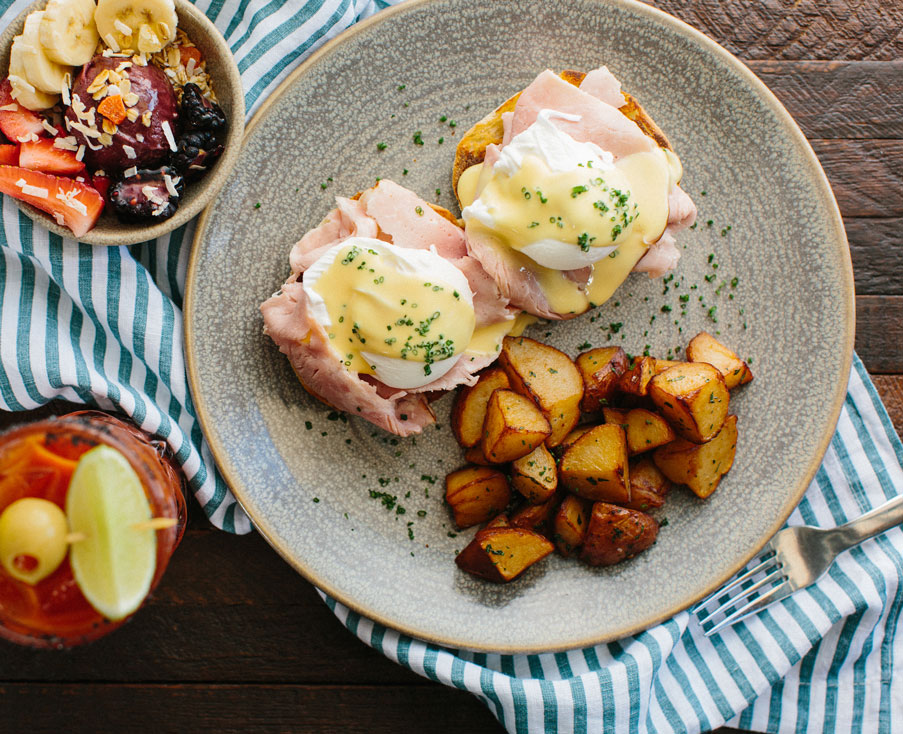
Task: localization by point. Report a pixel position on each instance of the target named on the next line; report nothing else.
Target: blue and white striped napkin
(103, 326)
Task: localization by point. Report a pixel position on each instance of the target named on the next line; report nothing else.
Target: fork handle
(876, 521)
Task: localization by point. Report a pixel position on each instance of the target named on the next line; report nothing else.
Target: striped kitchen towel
(74, 324)
(74, 319)
(826, 659)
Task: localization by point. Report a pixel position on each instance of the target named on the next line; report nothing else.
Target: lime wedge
(114, 565)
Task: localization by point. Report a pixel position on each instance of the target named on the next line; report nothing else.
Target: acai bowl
(136, 141)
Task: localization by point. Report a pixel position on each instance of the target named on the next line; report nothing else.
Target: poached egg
(553, 204)
(403, 315)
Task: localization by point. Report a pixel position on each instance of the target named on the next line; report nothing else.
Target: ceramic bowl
(227, 85)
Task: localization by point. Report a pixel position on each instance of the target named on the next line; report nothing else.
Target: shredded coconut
(167, 133)
(111, 42)
(30, 190)
(170, 185)
(67, 143)
(129, 172)
(189, 67)
(80, 153)
(122, 27)
(69, 200)
(59, 219)
(85, 130)
(48, 127)
(139, 137)
(129, 152)
(10, 108)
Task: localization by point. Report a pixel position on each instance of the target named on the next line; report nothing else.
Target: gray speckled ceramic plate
(306, 477)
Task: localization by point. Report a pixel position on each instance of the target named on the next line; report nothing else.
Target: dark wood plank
(876, 246)
(879, 332)
(866, 175)
(890, 388)
(835, 99)
(238, 709)
(228, 609)
(784, 29)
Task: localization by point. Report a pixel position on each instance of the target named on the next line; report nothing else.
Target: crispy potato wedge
(501, 554)
(635, 381)
(499, 521)
(600, 369)
(535, 475)
(570, 523)
(616, 534)
(549, 378)
(535, 517)
(474, 455)
(648, 486)
(700, 467)
(514, 426)
(475, 494)
(595, 465)
(705, 348)
(470, 406)
(693, 398)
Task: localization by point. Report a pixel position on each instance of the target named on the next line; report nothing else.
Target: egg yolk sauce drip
(404, 316)
(550, 205)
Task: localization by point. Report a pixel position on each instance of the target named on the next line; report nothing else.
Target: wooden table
(235, 641)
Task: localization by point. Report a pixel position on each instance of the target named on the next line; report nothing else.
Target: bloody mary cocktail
(38, 460)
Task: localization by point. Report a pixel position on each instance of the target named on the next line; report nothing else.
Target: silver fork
(793, 559)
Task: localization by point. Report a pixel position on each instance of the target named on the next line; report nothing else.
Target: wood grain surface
(235, 641)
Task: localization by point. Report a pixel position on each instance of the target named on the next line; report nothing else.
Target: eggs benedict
(385, 306)
(567, 188)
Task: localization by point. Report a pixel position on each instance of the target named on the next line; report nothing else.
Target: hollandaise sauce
(400, 314)
(553, 205)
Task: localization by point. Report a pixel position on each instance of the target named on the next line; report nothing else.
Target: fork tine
(778, 592)
(766, 563)
(777, 573)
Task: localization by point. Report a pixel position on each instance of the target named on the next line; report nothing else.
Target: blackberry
(196, 152)
(145, 196)
(200, 114)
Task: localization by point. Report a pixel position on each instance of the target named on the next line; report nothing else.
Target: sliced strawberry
(102, 184)
(73, 204)
(9, 155)
(18, 123)
(42, 155)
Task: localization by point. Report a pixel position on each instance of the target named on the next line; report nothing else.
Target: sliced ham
(395, 210)
(599, 122)
(288, 322)
(601, 84)
(387, 212)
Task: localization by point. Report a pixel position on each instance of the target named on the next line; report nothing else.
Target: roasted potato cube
(470, 406)
(615, 534)
(570, 523)
(700, 467)
(514, 426)
(663, 364)
(600, 369)
(502, 554)
(648, 486)
(499, 521)
(595, 465)
(693, 398)
(571, 437)
(535, 475)
(615, 416)
(474, 455)
(549, 378)
(475, 494)
(635, 381)
(705, 348)
(535, 517)
(645, 431)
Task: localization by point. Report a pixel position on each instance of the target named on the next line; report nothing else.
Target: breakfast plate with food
(518, 337)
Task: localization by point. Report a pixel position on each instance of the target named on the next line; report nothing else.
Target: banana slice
(67, 31)
(137, 25)
(38, 70)
(22, 90)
